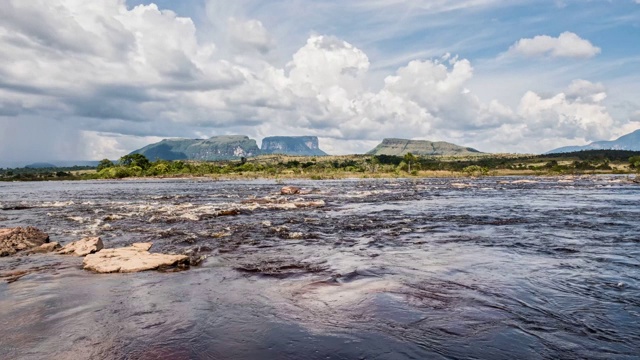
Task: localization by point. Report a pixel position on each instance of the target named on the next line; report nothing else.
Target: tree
(634, 162)
(104, 164)
(409, 158)
(132, 160)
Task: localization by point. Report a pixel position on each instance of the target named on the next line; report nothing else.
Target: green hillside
(400, 147)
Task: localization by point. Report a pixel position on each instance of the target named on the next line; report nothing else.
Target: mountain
(627, 142)
(400, 147)
(216, 148)
(292, 145)
(40, 165)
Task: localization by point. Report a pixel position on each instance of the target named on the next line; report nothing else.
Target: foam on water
(405, 269)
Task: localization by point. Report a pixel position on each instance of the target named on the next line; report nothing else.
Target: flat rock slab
(83, 247)
(13, 240)
(45, 248)
(131, 259)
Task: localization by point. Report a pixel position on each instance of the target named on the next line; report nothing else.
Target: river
(490, 268)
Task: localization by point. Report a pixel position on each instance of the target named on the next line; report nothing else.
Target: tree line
(137, 165)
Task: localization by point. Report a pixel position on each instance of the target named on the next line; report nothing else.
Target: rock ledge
(134, 258)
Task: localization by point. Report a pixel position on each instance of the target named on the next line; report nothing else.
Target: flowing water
(494, 268)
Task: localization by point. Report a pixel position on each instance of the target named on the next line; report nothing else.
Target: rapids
(491, 268)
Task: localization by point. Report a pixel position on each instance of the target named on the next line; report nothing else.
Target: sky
(85, 80)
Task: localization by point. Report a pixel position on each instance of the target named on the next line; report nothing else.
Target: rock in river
(45, 248)
(289, 190)
(17, 239)
(82, 247)
(130, 259)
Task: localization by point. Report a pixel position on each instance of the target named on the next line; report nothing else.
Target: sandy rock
(289, 190)
(45, 248)
(142, 246)
(13, 240)
(82, 247)
(130, 259)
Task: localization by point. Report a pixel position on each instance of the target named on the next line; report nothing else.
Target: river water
(493, 268)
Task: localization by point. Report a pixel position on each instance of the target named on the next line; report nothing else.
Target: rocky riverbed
(399, 269)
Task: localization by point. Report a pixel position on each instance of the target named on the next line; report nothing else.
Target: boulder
(13, 240)
(289, 190)
(134, 258)
(45, 248)
(82, 247)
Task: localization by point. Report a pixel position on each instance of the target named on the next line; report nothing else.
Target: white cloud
(250, 34)
(577, 113)
(115, 78)
(567, 45)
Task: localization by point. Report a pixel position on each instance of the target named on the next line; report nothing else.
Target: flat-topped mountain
(400, 147)
(627, 142)
(292, 145)
(230, 147)
(216, 148)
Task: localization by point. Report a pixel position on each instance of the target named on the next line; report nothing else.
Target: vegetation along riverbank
(347, 166)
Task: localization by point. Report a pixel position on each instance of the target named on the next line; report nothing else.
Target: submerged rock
(134, 258)
(82, 247)
(280, 203)
(13, 240)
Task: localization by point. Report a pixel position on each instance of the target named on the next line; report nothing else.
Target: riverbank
(352, 166)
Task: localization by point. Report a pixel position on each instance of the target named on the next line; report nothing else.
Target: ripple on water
(406, 269)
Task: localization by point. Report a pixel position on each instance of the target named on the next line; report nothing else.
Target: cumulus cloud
(564, 115)
(99, 79)
(567, 45)
(250, 34)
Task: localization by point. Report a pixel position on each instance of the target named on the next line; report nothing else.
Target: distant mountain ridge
(229, 147)
(630, 142)
(400, 147)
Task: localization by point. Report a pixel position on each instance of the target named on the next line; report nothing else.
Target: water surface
(488, 268)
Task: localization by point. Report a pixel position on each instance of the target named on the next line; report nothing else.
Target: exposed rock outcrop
(13, 240)
(45, 248)
(215, 148)
(290, 190)
(230, 147)
(292, 145)
(134, 258)
(82, 247)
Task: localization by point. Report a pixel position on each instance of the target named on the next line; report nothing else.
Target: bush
(475, 170)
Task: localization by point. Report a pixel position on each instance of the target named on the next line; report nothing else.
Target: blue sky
(92, 80)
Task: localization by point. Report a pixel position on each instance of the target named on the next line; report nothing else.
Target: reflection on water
(389, 269)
